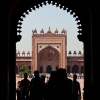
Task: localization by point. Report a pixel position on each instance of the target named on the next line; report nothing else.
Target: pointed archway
(48, 56)
(41, 69)
(75, 69)
(49, 69)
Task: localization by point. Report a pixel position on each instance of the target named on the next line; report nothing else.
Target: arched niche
(75, 69)
(48, 55)
(48, 69)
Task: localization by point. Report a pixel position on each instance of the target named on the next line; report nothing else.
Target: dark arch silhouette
(49, 69)
(68, 69)
(41, 69)
(14, 14)
(82, 69)
(75, 69)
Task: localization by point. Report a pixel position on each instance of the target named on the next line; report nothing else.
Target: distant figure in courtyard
(24, 86)
(76, 90)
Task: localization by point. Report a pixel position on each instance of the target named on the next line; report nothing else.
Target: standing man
(76, 90)
(24, 86)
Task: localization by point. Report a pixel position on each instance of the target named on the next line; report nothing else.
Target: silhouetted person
(51, 87)
(18, 91)
(69, 90)
(24, 86)
(37, 87)
(76, 88)
(63, 86)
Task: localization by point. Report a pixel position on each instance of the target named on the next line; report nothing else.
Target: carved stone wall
(50, 43)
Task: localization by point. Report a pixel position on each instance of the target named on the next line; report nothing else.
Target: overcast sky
(53, 17)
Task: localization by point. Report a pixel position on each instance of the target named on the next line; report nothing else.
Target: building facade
(49, 52)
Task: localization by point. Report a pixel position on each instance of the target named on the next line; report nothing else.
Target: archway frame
(81, 8)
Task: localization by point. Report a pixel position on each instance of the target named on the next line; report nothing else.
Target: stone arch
(75, 69)
(41, 69)
(48, 55)
(49, 69)
(68, 69)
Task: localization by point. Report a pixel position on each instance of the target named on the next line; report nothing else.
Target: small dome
(63, 31)
(18, 51)
(56, 31)
(49, 31)
(23, 52)
(70, 52)
(35, 31)
(79, 52)
(28, 52)
(42, 31)
(74, 52)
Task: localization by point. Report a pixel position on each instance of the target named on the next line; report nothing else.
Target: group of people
(58, 87)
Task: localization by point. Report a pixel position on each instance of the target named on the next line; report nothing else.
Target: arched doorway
(41, 69)
(49, 69)
(68, 69)
(75, 69)
(48, 55)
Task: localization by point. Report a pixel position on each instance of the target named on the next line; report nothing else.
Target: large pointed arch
(48, 55)
(49, 69)
(75, 69)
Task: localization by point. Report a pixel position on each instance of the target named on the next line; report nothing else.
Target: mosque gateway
(49, 52)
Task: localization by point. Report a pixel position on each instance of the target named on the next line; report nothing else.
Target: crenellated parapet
(70, 53)
(23, 54)
(49, 33)
(79, 53)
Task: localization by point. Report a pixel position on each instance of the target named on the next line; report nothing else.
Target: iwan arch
(49, 52)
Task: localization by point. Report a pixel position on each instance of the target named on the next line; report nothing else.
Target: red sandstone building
(49, 52)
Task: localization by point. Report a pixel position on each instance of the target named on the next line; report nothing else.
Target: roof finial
(49, 31)
(49, 27)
